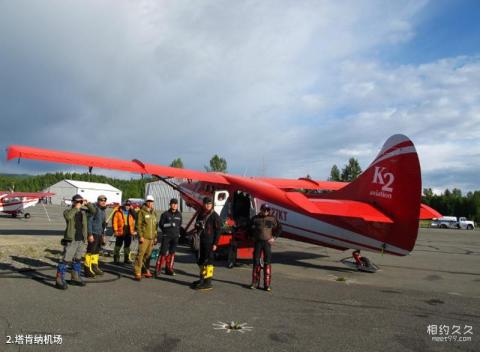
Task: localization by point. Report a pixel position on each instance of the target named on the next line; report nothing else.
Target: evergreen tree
(351, 171)
(217, 164)
(335, 174)
(178, 163)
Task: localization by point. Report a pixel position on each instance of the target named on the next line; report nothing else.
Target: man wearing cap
(265, 228)
(147, 238)
(208, 227)
(73, 242)
(97, 222)
(170, 225)
(123, 228)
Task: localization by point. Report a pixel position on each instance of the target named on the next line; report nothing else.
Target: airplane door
(219, 202)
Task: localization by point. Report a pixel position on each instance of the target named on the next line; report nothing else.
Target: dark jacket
(170, 223)
(265, 227)
(209, 226)
(97, 220)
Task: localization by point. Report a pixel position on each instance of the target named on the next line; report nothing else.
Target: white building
(66, 189)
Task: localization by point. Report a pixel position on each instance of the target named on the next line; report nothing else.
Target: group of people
(86, 223)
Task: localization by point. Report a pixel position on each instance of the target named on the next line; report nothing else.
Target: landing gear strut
(360, 263)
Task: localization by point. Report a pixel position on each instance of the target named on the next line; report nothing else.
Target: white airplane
(14, 203)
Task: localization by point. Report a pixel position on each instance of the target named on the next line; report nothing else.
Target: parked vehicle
(452, 222)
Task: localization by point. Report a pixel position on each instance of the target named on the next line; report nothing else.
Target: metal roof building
(163, 193)
(66, 189)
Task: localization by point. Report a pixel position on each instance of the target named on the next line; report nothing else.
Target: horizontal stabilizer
(334, 207)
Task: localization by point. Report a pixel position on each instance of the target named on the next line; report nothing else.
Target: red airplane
(377, 212)
(14, 203)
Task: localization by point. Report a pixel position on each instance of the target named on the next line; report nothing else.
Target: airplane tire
(366, 262)
(27, 215)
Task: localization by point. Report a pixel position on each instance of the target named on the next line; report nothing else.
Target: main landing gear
(26, 215)
(360, 263)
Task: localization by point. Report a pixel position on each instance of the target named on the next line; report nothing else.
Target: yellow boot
(87, 266)
(95, 267)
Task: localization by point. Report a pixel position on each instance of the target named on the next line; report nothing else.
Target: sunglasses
(102, 200)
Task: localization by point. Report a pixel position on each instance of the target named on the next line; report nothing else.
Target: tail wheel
(27, 215)
(366, 262)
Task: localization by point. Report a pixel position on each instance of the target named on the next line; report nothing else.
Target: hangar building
(163, 193)
(66, 189)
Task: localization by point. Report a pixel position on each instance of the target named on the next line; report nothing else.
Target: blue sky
(286, 87)
(444, 28)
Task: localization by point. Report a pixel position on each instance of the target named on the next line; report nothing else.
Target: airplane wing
(134, 166)
(27, 194)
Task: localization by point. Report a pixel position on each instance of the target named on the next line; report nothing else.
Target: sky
(277, 88)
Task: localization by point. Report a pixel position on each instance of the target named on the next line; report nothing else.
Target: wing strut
(178, 189)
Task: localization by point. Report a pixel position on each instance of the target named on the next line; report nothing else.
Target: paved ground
(317, 303)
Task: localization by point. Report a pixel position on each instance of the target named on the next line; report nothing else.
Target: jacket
(170, 223)
(265, 227)
(147, 223)
(97, 220)
(69, 215)
(209, 226)
(118, 223)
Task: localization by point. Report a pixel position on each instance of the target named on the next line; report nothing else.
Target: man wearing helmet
(170, 225)
(147, 238)
(208, 227)
(265, 228)
(73, 242)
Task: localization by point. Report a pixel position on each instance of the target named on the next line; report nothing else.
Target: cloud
(290, 87)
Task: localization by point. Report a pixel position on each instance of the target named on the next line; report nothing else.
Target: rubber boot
(116, 255)
(76, 278)
(87, 266)
(126, 255)
(203, 272)
(169, 267)
(205, 285)
(267, 277)
(60, 282)
(207, 282)
(159, 265)
(256, 272)
(95, 266)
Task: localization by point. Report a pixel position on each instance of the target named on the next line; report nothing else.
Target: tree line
(453, 202)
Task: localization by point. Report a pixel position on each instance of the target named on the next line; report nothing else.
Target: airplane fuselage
(299, 225)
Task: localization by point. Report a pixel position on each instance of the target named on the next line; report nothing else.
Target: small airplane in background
(14, 203)
(377, 212)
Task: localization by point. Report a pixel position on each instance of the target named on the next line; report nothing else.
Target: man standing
(170, 225)
(147, 238)
(208, 226)
(97, 222)
(73, 242)
(123, 228)
(265, 228)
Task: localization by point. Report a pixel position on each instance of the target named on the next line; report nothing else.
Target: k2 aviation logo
(386, 180)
